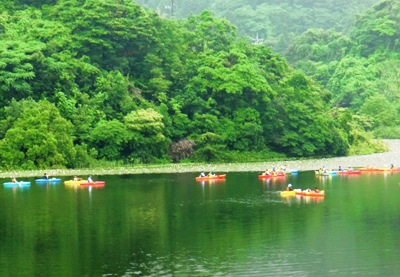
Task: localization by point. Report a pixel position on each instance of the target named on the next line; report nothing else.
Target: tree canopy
(94, 80)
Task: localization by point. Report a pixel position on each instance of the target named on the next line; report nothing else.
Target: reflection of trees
(137, 222)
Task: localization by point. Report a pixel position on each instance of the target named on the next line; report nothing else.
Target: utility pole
(257, 40)
(167, 7)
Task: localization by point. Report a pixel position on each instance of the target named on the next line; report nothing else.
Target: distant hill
(275, 22)
(361, 69)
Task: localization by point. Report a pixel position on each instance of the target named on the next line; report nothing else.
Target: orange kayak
(369, 169)
(214, 177)
(350, 172)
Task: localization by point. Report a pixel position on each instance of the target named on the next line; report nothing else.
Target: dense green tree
(177, 124)
(35, 60)
(37, 138)
(207, 32)
(146, 139)
(247, 129)
(378, 29)
(302, 126)
(36, 3)
(210, 144)
(114, 34)
(317, 52)
(389, 79)
(163, 72)
(117, 100)
(380, 111)
(110, 138)
(352, 82)
(16, 68)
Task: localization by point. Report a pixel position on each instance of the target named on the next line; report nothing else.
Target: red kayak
(93, 184)
(350, 172)
(213, 177)
(266, 176)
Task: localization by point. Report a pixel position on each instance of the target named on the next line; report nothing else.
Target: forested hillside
(89, 81)
(275, 22)
(362, 70)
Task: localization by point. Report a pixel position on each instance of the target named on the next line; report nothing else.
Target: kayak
(380, 169)
(350, 172)
(20, 183)
(310, 193)
(93, 184)
(265, 176)
(291, 171)
(214, 177)
(327, 173)
(287, 193)
(51, 180)
(74, 183)
(211, 181)
(390, 169)
(370, 169)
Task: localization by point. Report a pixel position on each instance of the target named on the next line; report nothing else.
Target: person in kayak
(289, 187)
(45, 176)
(266, 172)
(14, 180)
(89, 179)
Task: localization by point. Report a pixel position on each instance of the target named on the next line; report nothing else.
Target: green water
(171, 225)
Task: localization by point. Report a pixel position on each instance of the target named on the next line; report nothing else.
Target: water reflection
(299, 199)
(15, 189)
(170, 225)
(271, 183)
(211, 182)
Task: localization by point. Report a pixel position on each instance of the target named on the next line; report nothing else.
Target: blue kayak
(292, 171)
(20, 183)
(51, 180)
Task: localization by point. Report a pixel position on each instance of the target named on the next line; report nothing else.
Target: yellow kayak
(75, 183)
(287, 193)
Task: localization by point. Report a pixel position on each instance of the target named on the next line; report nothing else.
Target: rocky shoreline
(374, 160)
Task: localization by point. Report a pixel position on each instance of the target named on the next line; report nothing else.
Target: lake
(171, 225)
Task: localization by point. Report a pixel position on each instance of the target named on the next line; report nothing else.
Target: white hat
(290, 185)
